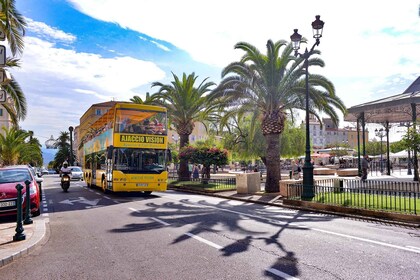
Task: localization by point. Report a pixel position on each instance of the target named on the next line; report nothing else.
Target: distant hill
(48, 155)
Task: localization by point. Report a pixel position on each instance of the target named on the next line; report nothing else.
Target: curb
(39, 236)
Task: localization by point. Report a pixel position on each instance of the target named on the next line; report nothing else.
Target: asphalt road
(176, 235)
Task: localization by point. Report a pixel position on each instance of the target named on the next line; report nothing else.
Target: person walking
(365, 167)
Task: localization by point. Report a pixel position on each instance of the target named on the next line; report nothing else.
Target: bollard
(28, 219)
(20, 235)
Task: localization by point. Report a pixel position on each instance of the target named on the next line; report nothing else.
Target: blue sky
(81, 52)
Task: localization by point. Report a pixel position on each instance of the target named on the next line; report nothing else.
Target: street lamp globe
(296, 38)
(317, 27)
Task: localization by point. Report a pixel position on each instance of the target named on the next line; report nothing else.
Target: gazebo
(400, 108)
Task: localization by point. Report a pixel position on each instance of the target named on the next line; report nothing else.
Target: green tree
(13, 24)
(14, 149)
(63, 145)
(412, 142)
(270, 85)
(204, 156)
(186, 103)
(147, 101)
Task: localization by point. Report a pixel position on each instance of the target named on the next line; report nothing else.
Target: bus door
(108, 163)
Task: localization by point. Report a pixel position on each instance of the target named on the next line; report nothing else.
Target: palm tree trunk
(273, 163)
(183, 172)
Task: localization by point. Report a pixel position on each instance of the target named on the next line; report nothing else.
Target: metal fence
(213, 183)
(379, 195)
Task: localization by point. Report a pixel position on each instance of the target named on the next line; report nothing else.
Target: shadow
(205, 218)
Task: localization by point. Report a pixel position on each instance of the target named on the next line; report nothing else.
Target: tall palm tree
(13, 24)
(269, 86)
(63, 145)
(147, 101)
(186, 104)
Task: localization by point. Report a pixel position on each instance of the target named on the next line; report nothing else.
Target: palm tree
(269, 86)
(13, 24)
(186, 104)
(147, 101)
(63, 145)
(14, 149)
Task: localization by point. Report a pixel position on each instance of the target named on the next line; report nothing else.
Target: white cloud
(60, 85)
(44, 30)
(358, 52)
(160, 46)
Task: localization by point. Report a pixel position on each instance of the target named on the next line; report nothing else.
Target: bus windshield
(132, 160)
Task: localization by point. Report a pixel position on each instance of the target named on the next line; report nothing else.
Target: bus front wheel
(147, 192)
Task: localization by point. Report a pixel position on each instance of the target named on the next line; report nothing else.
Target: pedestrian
(365, 167)
(196, 173)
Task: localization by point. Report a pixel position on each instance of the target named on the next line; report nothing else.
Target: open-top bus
(126, 149)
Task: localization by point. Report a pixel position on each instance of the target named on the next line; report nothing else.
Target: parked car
(76, 173)
(52, 171)
(9, 178)
(39, 180)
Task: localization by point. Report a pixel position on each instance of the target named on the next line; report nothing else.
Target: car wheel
(36, 213)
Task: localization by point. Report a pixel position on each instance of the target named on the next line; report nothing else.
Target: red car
(11, 176)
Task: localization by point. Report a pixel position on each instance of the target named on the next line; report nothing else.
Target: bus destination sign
(153, 139)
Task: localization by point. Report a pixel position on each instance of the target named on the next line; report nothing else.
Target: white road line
(107, 197)
(160, 221)
(282, 274)
(415, 248)
(214, 245)
(272, 220)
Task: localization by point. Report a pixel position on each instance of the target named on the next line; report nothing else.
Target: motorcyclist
(65, 168)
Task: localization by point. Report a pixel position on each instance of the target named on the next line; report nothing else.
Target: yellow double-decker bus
(126, 149)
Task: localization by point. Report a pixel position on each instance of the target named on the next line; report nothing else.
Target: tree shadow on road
(228, 221)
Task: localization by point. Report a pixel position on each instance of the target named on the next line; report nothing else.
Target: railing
(387, 196)
(212, 183)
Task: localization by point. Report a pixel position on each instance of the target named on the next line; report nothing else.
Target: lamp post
(71, 146)
(175, 138)
(381, 134)
(308, 168)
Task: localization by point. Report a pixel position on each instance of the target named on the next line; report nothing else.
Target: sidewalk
(11, 250)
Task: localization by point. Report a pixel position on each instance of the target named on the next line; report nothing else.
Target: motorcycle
(65, 181)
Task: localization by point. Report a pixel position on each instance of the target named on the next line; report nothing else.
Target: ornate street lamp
(71, 146)
(381, 134)
(308, 168)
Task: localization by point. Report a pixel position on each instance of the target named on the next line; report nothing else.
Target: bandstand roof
(392, 109)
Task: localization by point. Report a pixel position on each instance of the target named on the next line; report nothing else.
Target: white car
(76, 173)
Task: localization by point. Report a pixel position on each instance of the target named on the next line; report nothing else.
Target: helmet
(65, 164)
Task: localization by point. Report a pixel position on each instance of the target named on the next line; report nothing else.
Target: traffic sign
(2, 56)
(3, 96)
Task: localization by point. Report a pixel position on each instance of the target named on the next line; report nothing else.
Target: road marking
(281, 274)
(272, 220)
(107, 197)
(160, 221)
(214, 245)
(415, 248)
